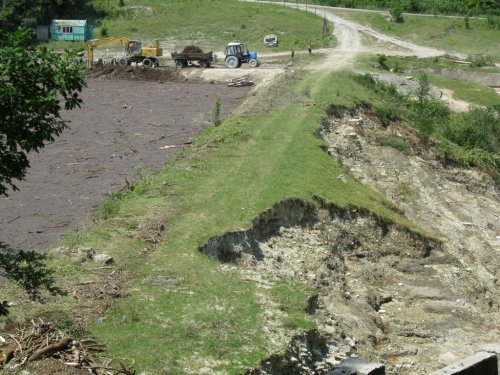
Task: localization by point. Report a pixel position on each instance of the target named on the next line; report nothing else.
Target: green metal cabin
(71, 30)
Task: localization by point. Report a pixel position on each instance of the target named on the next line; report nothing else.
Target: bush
(386, 115)
(396, 12)
(216, 113)
(382, 62)
(478, 61)
(480, 128)
(104, 32)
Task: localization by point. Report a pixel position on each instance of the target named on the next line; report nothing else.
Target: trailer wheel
(203, 64)
(232, 62)
(253, 63)
(147, 63)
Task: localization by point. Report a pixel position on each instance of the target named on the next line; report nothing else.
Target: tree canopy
(35, 85)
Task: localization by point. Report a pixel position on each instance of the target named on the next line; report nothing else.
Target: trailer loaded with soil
(192, 54)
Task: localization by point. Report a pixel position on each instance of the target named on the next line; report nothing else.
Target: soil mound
(192, 49)
(136, 73)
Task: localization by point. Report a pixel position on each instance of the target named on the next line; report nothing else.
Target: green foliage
(36, 86)
(467, 22)
(480, 128)
(29, 13)
(386, 115)
(396, 11)
(216, 112)
(421, 6)
(111, 205)
(471, 139)
(121, 3)
(382, 61)
(27, 269)
(480, 60)
(104, 31)
(398, 143)
(424, 88)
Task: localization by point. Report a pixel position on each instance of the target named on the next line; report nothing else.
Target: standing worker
(310, 47)
(292, 52)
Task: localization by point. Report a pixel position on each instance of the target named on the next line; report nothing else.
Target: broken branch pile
(42, 340)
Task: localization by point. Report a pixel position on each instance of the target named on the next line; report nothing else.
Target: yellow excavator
(133, 49)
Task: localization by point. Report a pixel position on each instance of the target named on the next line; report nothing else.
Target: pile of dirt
(192, 49)
(137, 73)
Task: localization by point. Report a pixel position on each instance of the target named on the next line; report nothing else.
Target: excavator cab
(133, 47)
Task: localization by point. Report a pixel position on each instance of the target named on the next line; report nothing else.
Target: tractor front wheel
(253, 63)
(232, 62)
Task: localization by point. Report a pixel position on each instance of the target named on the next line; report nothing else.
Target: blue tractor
(237, 55)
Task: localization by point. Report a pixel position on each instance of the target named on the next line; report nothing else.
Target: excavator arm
(131, 47)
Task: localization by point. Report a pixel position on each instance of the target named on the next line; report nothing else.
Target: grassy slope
(211, 24)
(184, 311)
(257, 162)
(446, 33)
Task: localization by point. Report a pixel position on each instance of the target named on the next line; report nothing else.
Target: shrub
(478, 61)
(382, 62)
(396, 12)
(386, 115)
(480, 128)
(424, 88)
(104, 31)
(216, 113)
(121, 3)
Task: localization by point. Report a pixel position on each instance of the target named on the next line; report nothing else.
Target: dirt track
(123, 124)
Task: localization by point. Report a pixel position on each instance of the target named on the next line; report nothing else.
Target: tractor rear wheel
(232, 62)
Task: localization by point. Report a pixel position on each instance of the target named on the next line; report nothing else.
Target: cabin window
(67, 29)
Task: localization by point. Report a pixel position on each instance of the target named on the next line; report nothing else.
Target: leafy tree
(33, 85)
(397, 11)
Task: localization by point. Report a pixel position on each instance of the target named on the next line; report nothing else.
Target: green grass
(448, 34)
(468, 91)
(397, 143)
(367, 62)
(210, 24)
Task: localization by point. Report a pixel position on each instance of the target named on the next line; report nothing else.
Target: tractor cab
(236, 55)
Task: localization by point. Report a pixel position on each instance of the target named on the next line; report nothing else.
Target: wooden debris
(239, 82)
(42, 340)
